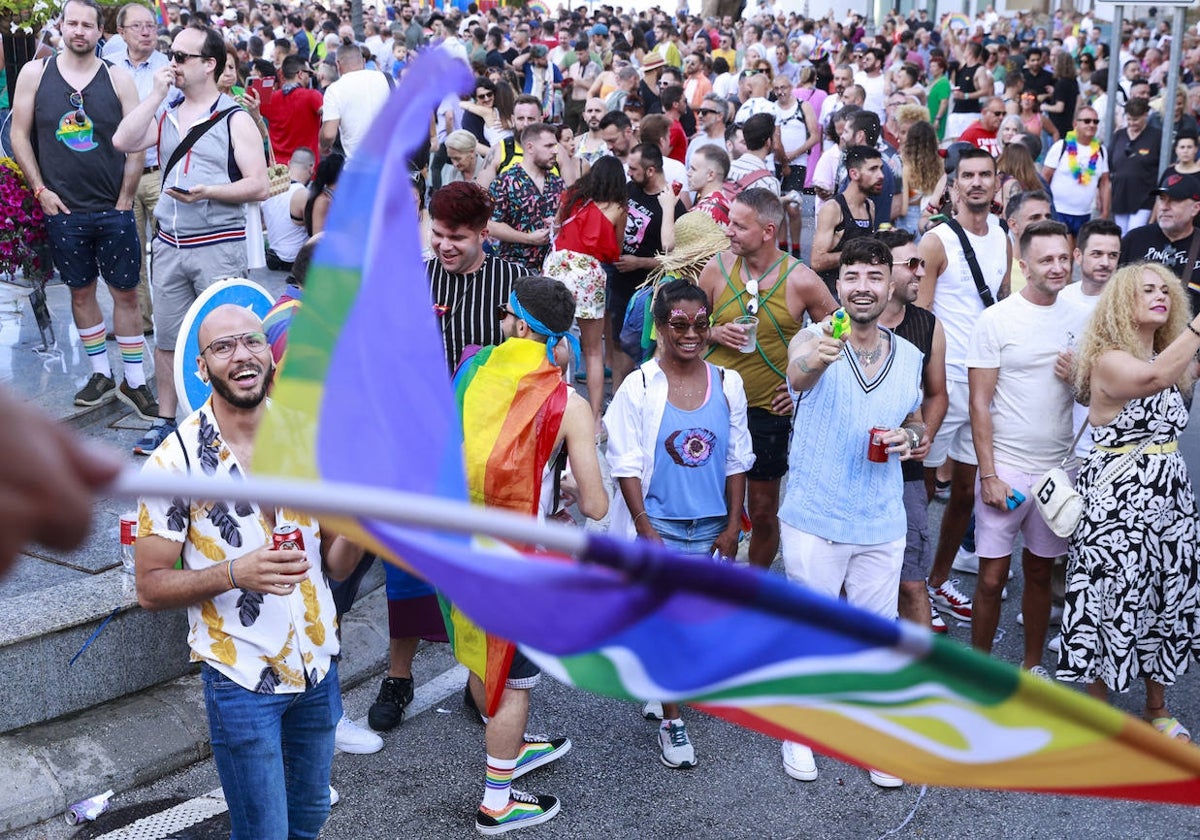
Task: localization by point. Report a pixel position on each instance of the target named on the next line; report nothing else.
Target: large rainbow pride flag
(365, 400)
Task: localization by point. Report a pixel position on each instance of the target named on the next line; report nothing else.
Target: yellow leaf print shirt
(265, 643)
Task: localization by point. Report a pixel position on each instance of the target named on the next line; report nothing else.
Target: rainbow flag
(632, 619)
(161, 8)
(511, 402)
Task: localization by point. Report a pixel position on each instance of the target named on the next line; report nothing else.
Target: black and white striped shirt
(467, 305)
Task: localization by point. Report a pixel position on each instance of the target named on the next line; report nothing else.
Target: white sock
(499, 782)
(133, 350)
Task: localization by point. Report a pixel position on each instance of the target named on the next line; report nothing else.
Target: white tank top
(285, 236)
(956, 301)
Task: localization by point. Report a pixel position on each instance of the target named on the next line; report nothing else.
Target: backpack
(733, 189)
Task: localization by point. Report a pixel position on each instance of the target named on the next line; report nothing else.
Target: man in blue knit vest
(842, 522)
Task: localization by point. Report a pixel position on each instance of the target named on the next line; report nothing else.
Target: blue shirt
(833, 490)
(689, 479)
(143, 79)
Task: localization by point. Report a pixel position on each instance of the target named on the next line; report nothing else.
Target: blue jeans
(273, 754)
(691, 536)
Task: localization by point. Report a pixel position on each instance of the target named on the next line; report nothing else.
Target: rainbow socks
(133, 350)
(499, 782)
(93, 345)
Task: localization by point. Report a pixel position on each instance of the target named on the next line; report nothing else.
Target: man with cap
(601, 47)
(1173, 239)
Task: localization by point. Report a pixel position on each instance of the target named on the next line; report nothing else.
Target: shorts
(770, 436)
(691, 536)
(101, 244)
(1073, 223)
(995, 530)
(179, 275)
(417, 618)
(522, 673)
(953, 439)
(918, 550)
(870, 574)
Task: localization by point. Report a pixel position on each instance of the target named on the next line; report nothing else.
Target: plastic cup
(751, 324)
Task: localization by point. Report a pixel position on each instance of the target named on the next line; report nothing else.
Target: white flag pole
(356, 501)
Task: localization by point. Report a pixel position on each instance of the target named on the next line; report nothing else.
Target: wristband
(989, 475)
(38, 192)
(643, 513)
(229, 571)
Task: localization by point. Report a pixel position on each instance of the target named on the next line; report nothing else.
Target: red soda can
(877, 450)
(287, 537)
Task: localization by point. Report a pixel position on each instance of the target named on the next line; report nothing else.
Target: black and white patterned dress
(1133, 597)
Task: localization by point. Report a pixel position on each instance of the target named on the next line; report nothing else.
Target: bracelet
(229, 571)
(38, 192)
(1193, 329)
(643, 513)
(989, 475)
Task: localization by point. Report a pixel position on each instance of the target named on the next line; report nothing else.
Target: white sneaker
(1041, 673)
(334, 797)
(677, 749)
(1055, 644)
(652, 710)
(798, 762)
(885, 780)
(966, 561)
(351, 738)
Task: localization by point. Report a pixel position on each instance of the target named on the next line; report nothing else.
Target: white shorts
(869, 573)
(953, 439)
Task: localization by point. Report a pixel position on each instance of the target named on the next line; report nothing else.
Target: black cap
(1179, 186)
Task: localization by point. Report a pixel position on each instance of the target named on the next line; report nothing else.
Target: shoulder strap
(985, 294)
(188, 462)
(189, 140)
(750, 177)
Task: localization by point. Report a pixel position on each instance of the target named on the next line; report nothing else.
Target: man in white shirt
(843, 77)
(1021, 426)
(351, 102)
(712, 114)
(1077, 173)
(757, 134)
(870, 76)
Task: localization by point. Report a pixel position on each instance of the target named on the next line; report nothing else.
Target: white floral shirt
(270, 644)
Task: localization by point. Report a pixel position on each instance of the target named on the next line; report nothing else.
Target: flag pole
(355, 501)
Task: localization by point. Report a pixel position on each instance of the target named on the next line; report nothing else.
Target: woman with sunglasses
(489, 114)
(679, 448)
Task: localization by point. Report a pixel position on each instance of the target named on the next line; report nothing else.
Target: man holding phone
(201, 219)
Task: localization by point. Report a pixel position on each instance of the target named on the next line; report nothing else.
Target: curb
(137, 739)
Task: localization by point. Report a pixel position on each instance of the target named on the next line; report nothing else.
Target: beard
(244, 400)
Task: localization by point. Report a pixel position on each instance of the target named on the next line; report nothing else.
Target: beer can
(129, 526)
(877, 449)
(287, 537)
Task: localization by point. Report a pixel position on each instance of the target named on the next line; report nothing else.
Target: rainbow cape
(511, 402)
(632, 619)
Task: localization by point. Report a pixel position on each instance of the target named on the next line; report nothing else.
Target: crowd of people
(799, 251)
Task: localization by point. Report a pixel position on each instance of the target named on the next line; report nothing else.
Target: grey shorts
(179, 275)
(918, 550)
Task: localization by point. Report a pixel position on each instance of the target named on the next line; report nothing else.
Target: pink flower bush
(22, 227)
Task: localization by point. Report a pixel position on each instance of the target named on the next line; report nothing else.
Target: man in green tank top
(755, 278)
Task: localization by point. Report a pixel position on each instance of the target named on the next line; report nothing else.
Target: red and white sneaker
(948, 597)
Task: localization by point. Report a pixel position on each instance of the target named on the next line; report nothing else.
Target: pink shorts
(995, 530)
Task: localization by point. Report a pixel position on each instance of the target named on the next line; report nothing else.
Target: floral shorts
(584, 276)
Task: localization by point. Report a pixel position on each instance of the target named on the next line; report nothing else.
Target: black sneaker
(154, 436)
(139, 399)
(387, 712)
(99, 389)
(522, 811)
(538, 751)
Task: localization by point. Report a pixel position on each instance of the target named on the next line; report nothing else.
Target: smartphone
(181, 190)
(1014, 501)
(264, 87)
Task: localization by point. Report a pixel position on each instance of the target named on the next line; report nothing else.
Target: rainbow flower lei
(1079, 173)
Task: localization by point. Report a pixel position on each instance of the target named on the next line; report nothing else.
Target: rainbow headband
(541, 329)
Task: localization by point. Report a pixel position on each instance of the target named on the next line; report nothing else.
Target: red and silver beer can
(877, 449)
(287, 537)
(129, 526)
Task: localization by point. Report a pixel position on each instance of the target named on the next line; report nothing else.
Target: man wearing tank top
(917, 326)
(949, 290)
(755, 278)
(200, 214)
(850, 214)
(65, 113)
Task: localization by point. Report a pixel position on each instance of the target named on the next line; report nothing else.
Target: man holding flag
(517, 416)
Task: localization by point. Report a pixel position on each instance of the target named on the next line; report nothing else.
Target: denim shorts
(691, 536)
(90, 245)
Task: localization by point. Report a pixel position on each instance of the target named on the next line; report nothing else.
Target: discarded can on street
(88, 809)
(287, 537)
(128, 539)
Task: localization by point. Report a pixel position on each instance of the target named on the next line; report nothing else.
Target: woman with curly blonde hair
(1133, 595)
